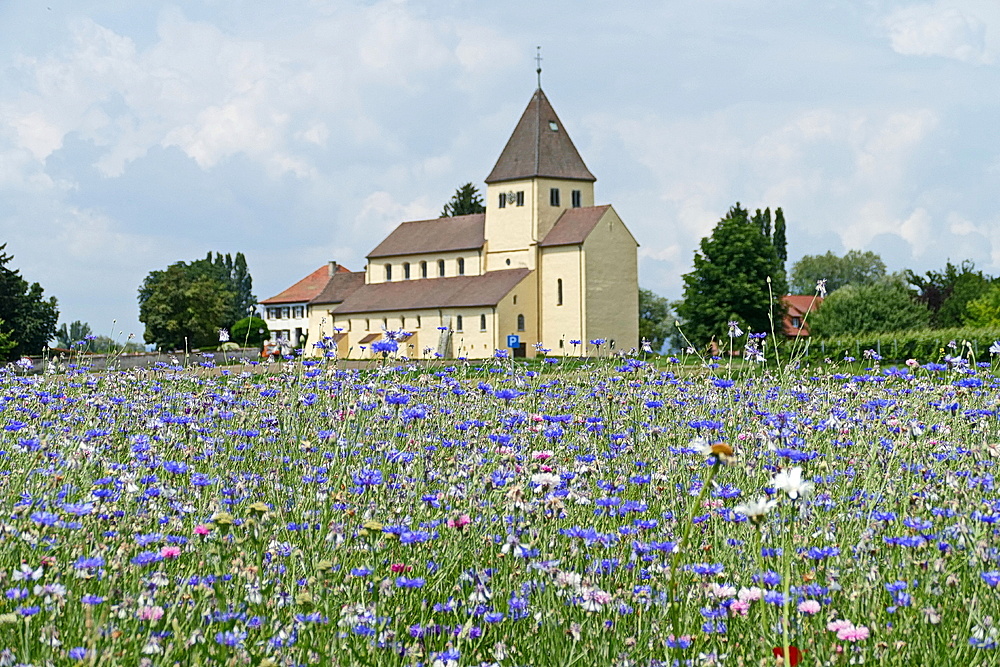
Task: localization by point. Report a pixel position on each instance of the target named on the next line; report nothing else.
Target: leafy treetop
(465, 201)
(27, 319)
(730, 279)
(854, 268)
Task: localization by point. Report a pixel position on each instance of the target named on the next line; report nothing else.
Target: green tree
(947, 293)
(984, 310)
(29, 318)
(854, 268)
(185, 306)
(465, 201)
(656, 323)
(73, 333)
(250, 331)
(730, 280)
(885, 305)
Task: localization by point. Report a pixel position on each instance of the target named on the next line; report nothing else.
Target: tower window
(520, 198)
(577, 199)
(482, 323)
(418, 322)
(406, 270)
(554, 196)
(554, 126)
(520, 322)
(423, 269)
(441, 268)
(559, 294)
(503, 201)
(461, 266)
(458, 323)
(388, 272)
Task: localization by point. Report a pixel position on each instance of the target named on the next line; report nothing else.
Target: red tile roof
(462, 232)
(457, 292)
(574, 225)
(797, 305)
(309, 287)
(539, 146)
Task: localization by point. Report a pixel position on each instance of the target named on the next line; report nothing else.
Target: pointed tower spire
(539, 147)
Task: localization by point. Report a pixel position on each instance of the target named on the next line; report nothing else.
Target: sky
(304, 131)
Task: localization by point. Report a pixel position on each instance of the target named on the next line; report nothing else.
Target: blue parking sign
(513, 340)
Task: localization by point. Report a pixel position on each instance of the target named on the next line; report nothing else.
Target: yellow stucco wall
(612, 284)
(375, 270)
(522, 300)
(561, 322)
(512, 232)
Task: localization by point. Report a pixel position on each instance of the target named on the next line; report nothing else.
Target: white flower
(995, 347)
(223, 336)
(756, 509)
(821, 287)
(790, 481)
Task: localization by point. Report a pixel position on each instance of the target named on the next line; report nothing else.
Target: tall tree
(885, 305)
(656, 323)
(854, 268)
(730, 281)
(947, 293)
(29, 319)
(778, 240)
(187, 304)
(465, 201)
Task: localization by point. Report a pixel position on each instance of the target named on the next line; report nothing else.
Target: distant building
(542, 263)
(797, 307)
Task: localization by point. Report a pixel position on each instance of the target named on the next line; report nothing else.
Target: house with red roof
(797, 306)
(543, 268)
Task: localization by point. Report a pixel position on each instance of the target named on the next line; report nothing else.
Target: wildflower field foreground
(487, 514)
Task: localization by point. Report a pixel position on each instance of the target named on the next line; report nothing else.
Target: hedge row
(924, 345)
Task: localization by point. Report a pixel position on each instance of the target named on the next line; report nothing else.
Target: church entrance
(521, 351)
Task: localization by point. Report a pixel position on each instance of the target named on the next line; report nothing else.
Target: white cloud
(957, 29)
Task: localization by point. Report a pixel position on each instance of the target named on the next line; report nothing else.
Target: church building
(543, 264)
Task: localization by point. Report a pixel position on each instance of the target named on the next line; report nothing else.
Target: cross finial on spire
(538, 64)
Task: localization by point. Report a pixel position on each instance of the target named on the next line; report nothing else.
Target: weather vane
(538, 63)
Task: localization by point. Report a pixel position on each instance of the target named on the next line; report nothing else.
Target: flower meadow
(603, 512)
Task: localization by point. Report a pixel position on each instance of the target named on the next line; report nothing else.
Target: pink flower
(460, 521)
(170, 552)
(853, 634)
(809, 607)
(202, 529)
(397, 568)
(150, 613)
(741, 607)
(838, 625)
(542, 455)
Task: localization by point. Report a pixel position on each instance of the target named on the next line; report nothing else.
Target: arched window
(440, 268)
(520, 322)
(559, 299)
(418, 322)
(406, 270)
(458, 323)
(388, 272)
(402, 322)
(423, 269)
(461, 266)
(482, 322)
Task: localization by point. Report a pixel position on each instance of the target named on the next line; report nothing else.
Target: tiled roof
(462, 232)
(797, 305)
(574, 225)
(339, 287)
(800, 304)
(458, 292)
(308, 287)
(539, 146)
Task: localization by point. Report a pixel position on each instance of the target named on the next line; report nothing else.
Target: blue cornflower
(991, 578)
(147, 558)
(78, 653)
(407, 582)
(230, 638)
(45, 518)
(368, 477)
(88, 563)
(91, 599)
